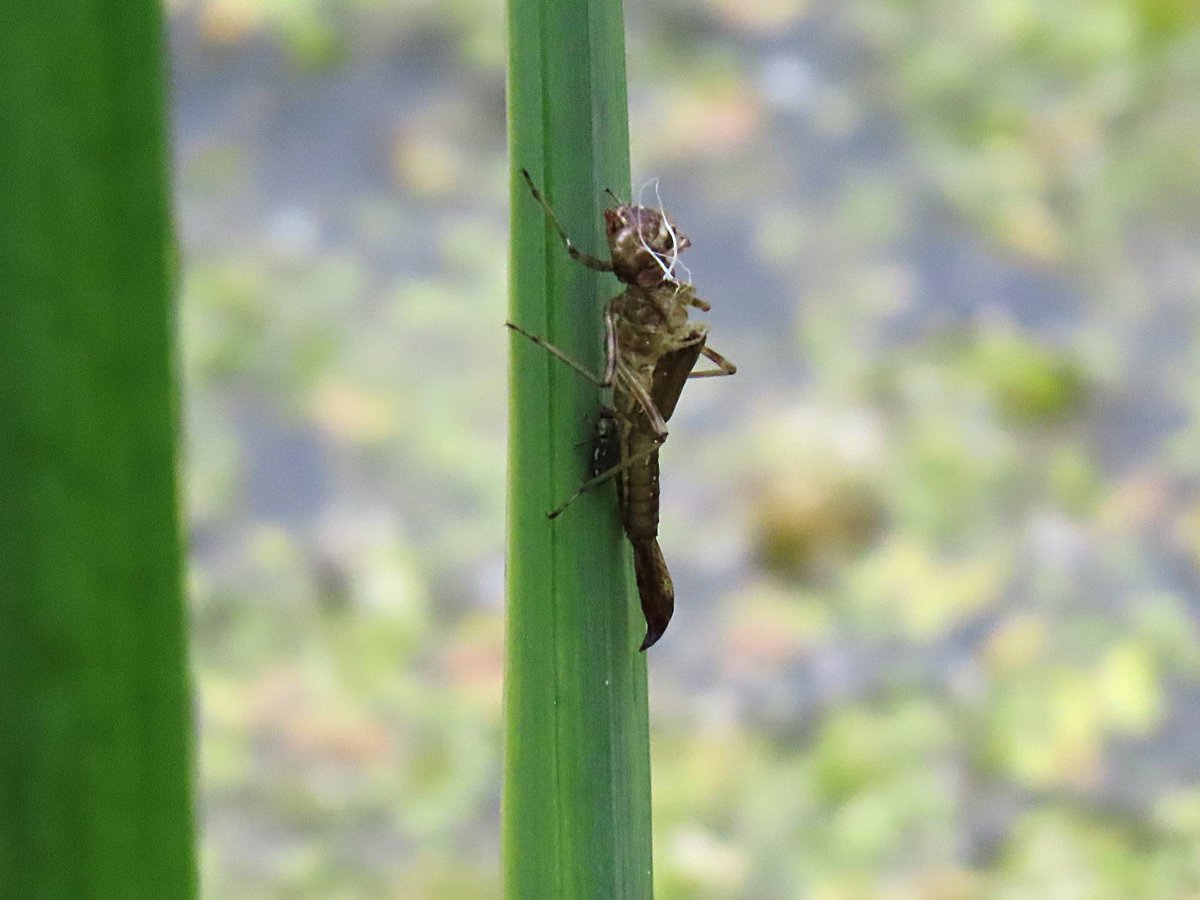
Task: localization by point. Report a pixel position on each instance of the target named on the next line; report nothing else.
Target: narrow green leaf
(577, 778)
(95, 735)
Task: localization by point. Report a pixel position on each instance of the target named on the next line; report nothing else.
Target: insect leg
(657, 422)
(610, 345)
(604, 476)
(725, 367)
(574, 252)
(699, 336)
(578, 367)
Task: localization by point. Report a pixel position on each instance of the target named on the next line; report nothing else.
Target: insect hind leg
(604, 476)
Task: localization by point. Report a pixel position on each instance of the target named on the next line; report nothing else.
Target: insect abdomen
(641, 499)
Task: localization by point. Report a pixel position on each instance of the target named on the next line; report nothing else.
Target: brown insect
(651, 349)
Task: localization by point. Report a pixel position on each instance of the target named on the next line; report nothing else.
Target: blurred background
(936, 544)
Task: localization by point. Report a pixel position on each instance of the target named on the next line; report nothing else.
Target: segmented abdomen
(640, 495)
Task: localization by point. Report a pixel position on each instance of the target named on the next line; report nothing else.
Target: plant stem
(577, 778)
(95, 796)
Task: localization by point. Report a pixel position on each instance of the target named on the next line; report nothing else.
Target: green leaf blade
(96, 747)
(576, 797)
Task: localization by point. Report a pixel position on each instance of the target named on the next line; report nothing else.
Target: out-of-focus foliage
(936, 545)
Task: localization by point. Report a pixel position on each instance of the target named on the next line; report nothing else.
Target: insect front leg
(574, 252)
(724, 366)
